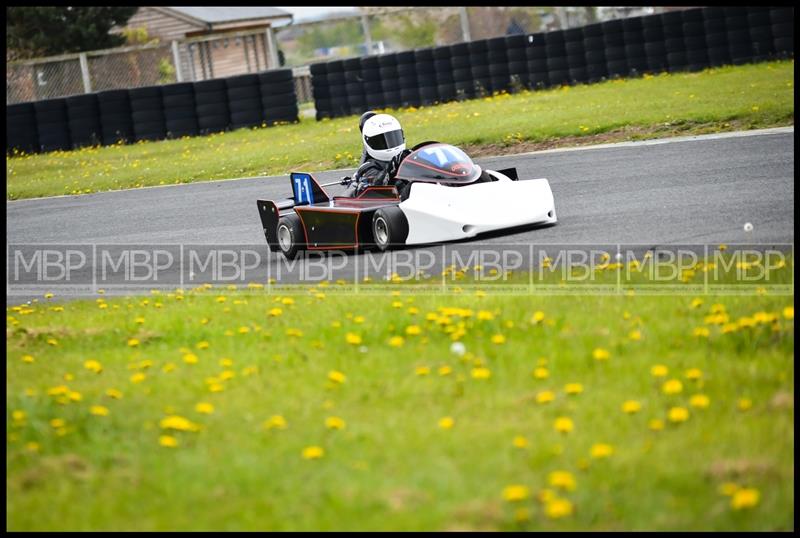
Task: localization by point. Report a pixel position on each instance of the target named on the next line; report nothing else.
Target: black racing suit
(374, 172)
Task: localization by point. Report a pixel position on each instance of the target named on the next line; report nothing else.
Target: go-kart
(444, 197)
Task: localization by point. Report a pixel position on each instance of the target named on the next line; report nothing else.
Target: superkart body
(446, 197)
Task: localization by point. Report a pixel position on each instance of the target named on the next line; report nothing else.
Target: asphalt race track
(692, 190)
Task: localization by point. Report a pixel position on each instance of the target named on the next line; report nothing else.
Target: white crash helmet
(383, 137)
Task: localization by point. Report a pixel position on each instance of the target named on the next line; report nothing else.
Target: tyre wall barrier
(686, 40)
(154, 112)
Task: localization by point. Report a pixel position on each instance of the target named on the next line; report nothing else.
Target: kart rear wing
(305, 191)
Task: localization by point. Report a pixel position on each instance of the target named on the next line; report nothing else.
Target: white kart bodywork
(437, 212)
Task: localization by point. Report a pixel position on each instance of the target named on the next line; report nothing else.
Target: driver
(384, 149)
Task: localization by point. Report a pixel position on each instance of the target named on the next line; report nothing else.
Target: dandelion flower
(562, 479)
(563, 424)
(413, 330)
(481, 373)
(788, 312)
(337, 377)
(446, 423)
(544, 397)
(498, 339)
(190, 358)
(744, 404)
(313, 452)
(520, 442)
(167, 441)
(538, 317)
(335, 423)
(138, 377)
(659, 370)
(396, 341)
(601, 450)
(275, 422)
(176, 422)
(700, 401)
(673, 386)
(114, 393)
(631, 406)
(204, 408)
(728, 488)
(516, 493)
(353, 339)
(541, 373)
(558, 508)
(694, 374)
(57, 423)
(745, 498)
(202, 345)
(28, 358)
(702, 332)
(445, 370)
(656, 425)
(93, 366)
(99, 410)
(600, 354)
(573, 388)
(678, 414)
(133, 342)
(422, 370)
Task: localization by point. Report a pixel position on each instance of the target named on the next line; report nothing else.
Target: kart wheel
(290, 236)
(389, 227)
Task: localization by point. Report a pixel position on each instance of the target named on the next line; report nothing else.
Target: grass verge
(720, 99)
(245, 410)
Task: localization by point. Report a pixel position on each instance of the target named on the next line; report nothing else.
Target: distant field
(256, 409)
(729, 98)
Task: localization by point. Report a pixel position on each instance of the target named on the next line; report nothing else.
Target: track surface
(673, 191)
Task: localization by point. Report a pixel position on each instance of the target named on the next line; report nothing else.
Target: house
(215, 41)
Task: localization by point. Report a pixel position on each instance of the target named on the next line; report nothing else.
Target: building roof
(216, 15)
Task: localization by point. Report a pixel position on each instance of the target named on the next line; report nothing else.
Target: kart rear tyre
(389, 228)
(290, 236)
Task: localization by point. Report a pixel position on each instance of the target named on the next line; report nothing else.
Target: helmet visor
(392, 139)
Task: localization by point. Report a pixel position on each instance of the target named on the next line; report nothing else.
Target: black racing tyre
(558, 77)
(446, 92)
(517, 68)
(593, 30)
(655, 49)
(558, 63)
(371, 75)
(578, 74)
(480, 71)
(576, 61)
(337, 79)
(782, 30)
(426, 80)
(575, 48)
(442, 65)
(517, 55)
(147, 116)
(178, 100)
(281, 99)
(180, 113)
(291, 238)
(389, 228)
(179, 128)
(245, 105)
(538, 79)
(784, 45)
(113, 96)
(460, 75)
(375, 100)
(442, 53)
(182, 88)
(388, 72)
(595, 56)
(285, 75)
(654, 34)
(594, 43)
(238, 93)
(498, 70)
(210, 98)
(618, 68)
(615, 53)
(212, 109)
(717, 40)
(596, 71)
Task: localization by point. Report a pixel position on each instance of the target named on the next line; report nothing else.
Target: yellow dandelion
(396, 341)
(516, 493)
(498, 339)
(352, 339)
(167, 441)
(563, 424)
(673, 386)
(57, 423)
(99, 410)
(694, 374)
(562, 479)
(700, 401)
(190, 358)
(544, 397)
(335, 423)
(541, 373)
(446, 423)
(659, 370)
(701, 332)
(481, 373)
(202, 345)
(558, 508)
(600, 354)
(133, 342)
(744, 404)
(445, 370)
(745, 498)
(520, 442)
(313, 453)
(573, 388)
(422, 370)
(635, 335)
(601, 450)
(204, 408)
(275, 422)
(788, 312)
(28, 358)
(275, 312)
(678, 414)
(176, 422)
(114, 393)
(337, 377)
(631, 406)
(93, 366)
(413, 330)
(656, 425)
(138, 377)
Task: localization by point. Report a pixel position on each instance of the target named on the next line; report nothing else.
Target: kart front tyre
(290, 235)
(389, 228)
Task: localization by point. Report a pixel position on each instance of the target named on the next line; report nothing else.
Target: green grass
(392, 467)
(729, 98)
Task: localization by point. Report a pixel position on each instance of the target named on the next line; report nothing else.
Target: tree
(35, 31)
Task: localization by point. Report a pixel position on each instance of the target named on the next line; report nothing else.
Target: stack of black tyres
(517, 61)
(576, 55)
(337, 84)
(371, 74)
(278, 97)
(426, 76)
(782, 21)
(321, 90)
(407, 77)
(84, 120)
(614, 40)
(443, 70)
(479, 65)
(672, 23)
(655, 49)
(21, 132)
(460, 61)
(497, 55)
(557, 67)
(761, 33)
(694, 39)
(536, 53)
(633, 37)
(243, 96)
(115, 116)
(390, 82)
(211, 103)
(147, 113)
(716, 35)
(354, 86)
(52, 124)
(738, 30)
(594, 52)
(180, 110)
